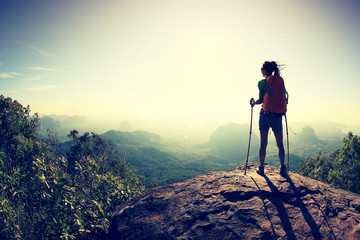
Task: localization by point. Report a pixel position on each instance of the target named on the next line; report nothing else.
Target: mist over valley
(167, 155)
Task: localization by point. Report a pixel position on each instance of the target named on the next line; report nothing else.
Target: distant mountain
(159, 161)
(67, 120)
(307, 135)
(125, 126)
(231, 142)
(49, 123)
(133, 138)
(326, 128)
(63, 122)
(61, 125)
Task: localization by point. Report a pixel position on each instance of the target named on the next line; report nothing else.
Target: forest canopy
(340, 169)
(46, 197)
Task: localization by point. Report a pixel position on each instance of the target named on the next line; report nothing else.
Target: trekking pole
(287, 135)
(247, 157)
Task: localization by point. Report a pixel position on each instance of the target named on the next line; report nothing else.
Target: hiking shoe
(260, 171)
(283, 171)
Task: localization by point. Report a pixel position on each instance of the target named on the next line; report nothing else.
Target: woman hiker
(272, 94)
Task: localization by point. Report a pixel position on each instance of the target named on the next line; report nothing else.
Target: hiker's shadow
(283, 215)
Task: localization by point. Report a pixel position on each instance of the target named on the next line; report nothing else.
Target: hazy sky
(191, 61)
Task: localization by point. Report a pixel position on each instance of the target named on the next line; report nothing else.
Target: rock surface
(230, 205)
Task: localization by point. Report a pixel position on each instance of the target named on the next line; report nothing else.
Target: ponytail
(272, 67)
(275, 68)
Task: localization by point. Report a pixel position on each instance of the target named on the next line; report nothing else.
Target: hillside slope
(231, 205)
(163, 162)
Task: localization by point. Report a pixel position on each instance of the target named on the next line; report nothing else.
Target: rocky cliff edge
(230, 205)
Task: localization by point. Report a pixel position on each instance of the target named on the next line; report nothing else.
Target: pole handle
(252, 102)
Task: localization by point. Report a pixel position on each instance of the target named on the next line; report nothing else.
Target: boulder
(230, 205)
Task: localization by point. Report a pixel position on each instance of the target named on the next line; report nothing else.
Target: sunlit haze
(172, 62)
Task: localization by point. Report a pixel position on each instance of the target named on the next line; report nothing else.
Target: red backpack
(275, 96)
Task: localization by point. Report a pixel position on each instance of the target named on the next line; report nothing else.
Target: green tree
(18, 134)
(79, 149)
(340, 169)
(345, 171)
(40, 198)
(316, 168)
